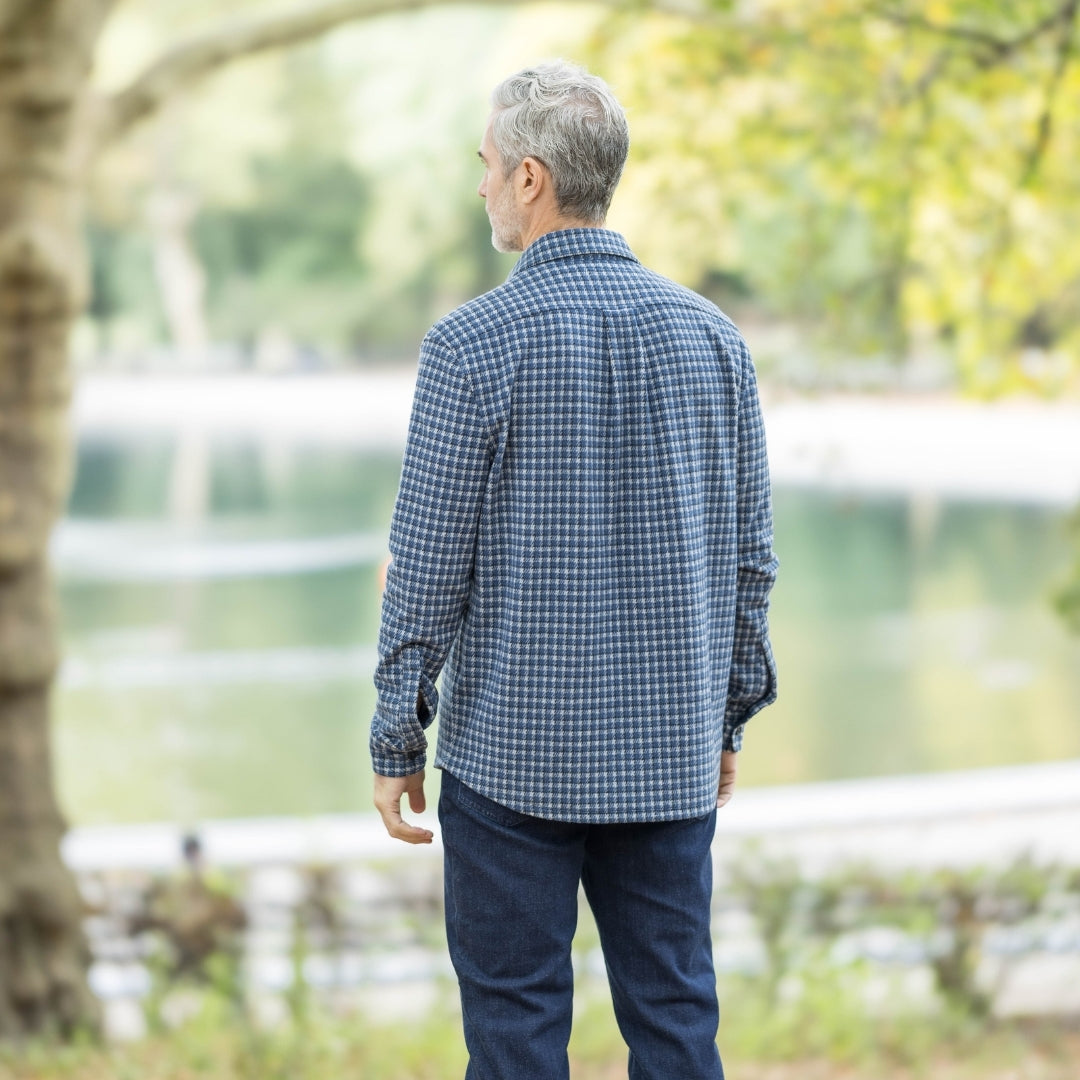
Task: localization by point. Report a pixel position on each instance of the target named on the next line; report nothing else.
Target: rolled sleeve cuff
(398, 741)
(386, 763)
(733, 737)
(393, 754)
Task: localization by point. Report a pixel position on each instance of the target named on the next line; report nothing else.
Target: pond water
(220, 604)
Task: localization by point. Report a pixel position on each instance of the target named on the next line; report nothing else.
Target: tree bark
(45, 53)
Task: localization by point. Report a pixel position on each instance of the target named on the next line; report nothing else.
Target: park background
(884, 197)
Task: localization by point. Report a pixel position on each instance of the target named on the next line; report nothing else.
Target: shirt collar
(566, 243)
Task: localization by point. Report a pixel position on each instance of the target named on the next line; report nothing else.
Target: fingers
(388, 793)
(726, 787)
(400, 829)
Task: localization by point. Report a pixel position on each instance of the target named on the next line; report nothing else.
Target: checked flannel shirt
(581, 544)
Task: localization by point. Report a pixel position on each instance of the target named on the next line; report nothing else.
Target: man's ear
(532, 179)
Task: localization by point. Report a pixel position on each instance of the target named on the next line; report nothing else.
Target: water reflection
(220, 604)
(106, 552)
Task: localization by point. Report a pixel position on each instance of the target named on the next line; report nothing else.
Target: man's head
(554, 148)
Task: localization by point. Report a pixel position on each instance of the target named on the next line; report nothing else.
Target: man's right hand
(388, 793)
(727, 778)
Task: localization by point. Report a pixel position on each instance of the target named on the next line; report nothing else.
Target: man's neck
(555, 223)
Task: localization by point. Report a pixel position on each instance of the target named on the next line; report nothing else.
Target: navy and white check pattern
(583, 537)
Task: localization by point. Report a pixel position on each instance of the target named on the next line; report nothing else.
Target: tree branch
(993, 47)
(920, 89)
(202, 55)
(1046, 119)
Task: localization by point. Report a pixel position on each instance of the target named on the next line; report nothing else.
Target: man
(582, 537)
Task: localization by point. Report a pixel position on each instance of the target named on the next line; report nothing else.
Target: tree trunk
(181, 279)
(45, 49)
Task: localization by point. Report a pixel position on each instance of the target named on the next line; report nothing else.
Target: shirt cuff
(398, 748)
(733, 738)
(388, 763)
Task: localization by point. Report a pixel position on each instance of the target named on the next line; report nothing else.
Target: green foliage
(944, 913)
(893, 180)
(900, 175)
(824, 1015)
(300, 226)
(826, 1025)
(814, 1006)
(211, 1046)
(772, 890)
(291, 255)
(121, 275)
(331, 208)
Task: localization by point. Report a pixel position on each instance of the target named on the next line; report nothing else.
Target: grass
(807, 1014)
(822, 1035)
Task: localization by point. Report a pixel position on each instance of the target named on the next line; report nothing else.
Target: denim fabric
(511, 886)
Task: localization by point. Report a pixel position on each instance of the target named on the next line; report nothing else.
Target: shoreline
(1019, 451)
(970, 817)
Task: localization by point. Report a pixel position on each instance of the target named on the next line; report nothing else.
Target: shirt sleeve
(432, 546)
(752, 682)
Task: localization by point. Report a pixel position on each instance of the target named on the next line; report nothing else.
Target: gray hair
(571, 122)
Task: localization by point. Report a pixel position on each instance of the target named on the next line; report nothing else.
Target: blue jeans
(511, 885)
